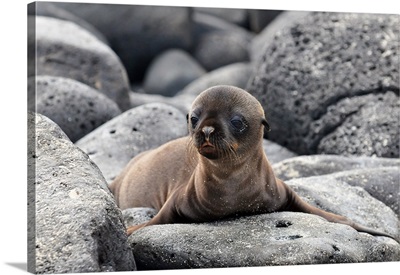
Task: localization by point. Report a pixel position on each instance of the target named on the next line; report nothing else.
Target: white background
(13, 87)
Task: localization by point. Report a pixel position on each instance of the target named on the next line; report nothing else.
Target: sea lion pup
(219, 170)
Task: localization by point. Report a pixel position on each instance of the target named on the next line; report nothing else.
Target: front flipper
(167, 214)
(134, 228)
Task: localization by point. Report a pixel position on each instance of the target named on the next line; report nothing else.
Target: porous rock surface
(85, 232)
(75, 107)
(263, 40)
(336, 88)
(112, 145)
(67, 50)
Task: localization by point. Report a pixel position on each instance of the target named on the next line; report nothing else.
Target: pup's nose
(207, 130)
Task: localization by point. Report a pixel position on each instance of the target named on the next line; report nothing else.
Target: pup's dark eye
(194, 121)
(238, 123)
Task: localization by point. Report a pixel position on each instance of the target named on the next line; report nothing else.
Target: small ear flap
(266, 124)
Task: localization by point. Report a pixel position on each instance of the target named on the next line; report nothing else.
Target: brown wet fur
(232, 177)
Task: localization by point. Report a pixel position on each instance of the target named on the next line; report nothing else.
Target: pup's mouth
(208, 150)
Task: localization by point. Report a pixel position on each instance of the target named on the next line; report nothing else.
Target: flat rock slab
(67, 50)
(281, 238)
(112, 145)
(284, 238)
(76, 223)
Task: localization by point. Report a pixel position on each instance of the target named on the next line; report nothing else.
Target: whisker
(192, 151)
(230, 151)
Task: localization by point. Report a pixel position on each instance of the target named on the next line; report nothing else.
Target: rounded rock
(75, 107)
(144, 32)
(51, 10)
(314, 64)
(67, 50)
(74, 224)
(237, 74)
(170, 72)
(112, 145)
(220, 48)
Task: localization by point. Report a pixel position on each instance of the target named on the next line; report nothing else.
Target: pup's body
(219, 170)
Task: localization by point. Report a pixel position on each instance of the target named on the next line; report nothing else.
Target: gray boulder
(51, 10)
(182, 102)
(314, 70)
(265, 38)
(74, 106)
(378, 176)
(284, 238)
(237, 74)
(239, 17)
(276, 153)
(216, 49)
(259, 19)
(204, 23)
(381, 183)
(67, 50)
(137, 33)
(317, 165)
(112, 145)
(333, 193)
(76, 226)
(217, 42)
(170, 72)
(367, 123)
